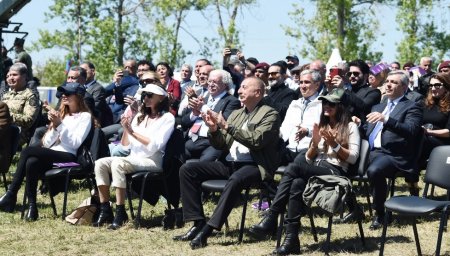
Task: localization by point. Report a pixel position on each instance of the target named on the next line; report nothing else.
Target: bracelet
(336, 149)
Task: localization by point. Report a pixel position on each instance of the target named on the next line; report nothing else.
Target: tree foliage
(348, 25)
(421, 35)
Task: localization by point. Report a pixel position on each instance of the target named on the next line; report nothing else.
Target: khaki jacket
(261, 136)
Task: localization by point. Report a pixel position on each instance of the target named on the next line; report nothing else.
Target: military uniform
(23, 107)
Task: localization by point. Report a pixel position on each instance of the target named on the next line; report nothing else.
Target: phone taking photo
(233, 51)
(334, 72)
(125, 72)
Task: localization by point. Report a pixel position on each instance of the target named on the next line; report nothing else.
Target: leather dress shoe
(377, 223)
(32, 214)
(8, 202)
(266, 227)
(190, 234)
(199, 241)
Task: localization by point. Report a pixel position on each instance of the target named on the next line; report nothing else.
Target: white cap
(152, 88)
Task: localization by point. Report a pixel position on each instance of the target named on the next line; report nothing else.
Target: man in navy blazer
(219, 100)
(392, 129)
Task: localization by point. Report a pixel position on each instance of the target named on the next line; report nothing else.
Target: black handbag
(84, 158)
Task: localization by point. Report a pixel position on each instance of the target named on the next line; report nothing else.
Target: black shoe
(105, 216)
(191, 233)
(377, 223)
(266, 227)
(356, 215)
(32, 214)
(8, 202)
(120, 219)
(291, 243)
(201, 238)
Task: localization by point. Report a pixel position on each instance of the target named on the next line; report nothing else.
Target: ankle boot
(8, 201)
(356, 212)
(267, 226)
(105, 215)
(120, 219)
(291, 243)
(32, 214)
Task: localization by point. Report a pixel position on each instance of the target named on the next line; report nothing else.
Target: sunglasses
(354, 73)
(436, 85)
(146, 94)
(329, 104)
(147, 81)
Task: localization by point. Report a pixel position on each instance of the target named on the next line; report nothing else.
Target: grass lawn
(52, 236)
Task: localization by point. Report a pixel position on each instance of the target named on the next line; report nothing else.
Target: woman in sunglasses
(146, 136)
(59, 144)
(436, 115)
(334, 146)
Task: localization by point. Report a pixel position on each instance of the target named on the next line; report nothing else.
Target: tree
(52, 73)
(348, 25)
(421, 36)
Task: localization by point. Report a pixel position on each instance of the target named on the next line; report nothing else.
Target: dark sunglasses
(327, 103)
(146, 94)
(437, 85)
(147, 81)
(354, 73)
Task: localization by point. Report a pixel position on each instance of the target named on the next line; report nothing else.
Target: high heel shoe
(32, 214)
(120, 219)
(8, 202)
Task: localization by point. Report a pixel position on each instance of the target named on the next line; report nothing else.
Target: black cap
(19, 41)
(71, 88)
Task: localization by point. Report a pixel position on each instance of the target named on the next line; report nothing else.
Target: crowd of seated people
(241, 121)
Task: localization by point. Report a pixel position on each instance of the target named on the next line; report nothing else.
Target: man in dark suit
(218, 100)
(392, 129)
(98, 92)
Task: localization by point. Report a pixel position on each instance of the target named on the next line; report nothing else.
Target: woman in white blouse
(67, 130)
(334, 146)
(146, 136)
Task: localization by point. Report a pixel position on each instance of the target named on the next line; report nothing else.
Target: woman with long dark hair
(436, 115)
(171, 85)
(146, 136)
(334, 146)
(67, 130)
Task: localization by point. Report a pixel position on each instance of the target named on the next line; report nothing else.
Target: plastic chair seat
(413, 205)
(214, 185)
(63, 171)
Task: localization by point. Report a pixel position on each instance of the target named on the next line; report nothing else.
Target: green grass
(52, 236)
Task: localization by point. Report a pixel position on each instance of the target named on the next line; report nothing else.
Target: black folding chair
(413, 206)
(361, 176)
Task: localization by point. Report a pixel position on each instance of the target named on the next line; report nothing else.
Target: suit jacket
(280, 97)
(401, 133)
(261, 136)
(98, 92)
(128, 86)
(226, 104)
(361, 100)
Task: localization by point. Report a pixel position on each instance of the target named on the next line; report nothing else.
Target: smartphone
(334, 72)
(125, 72)
(233, 51)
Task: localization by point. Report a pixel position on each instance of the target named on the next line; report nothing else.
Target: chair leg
(361, 232)
(327, 242)
(141, 198)
(4, 181)
(369, 203)
(280, 230)
(130, 203)
(441, 230)
(52, 200)
(313, 226)
(66, 188)
(383, 234)
(416, 237)
(244, 212)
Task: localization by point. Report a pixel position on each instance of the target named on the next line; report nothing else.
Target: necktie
(379, 126)
(305, 104)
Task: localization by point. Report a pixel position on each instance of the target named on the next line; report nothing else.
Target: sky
(262, 34)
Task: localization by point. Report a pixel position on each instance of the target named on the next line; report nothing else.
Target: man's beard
(272, 82)
(290, 66)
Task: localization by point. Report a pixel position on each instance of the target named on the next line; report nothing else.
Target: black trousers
(193, 174)
(293, 183)
(380, 167)
(34, 162)
(202, 149)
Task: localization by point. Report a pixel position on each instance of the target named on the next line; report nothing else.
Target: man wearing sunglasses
(361, 97)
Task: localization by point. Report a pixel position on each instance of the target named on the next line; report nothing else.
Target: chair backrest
(174, 150)
(438, 167)
(364, 151)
